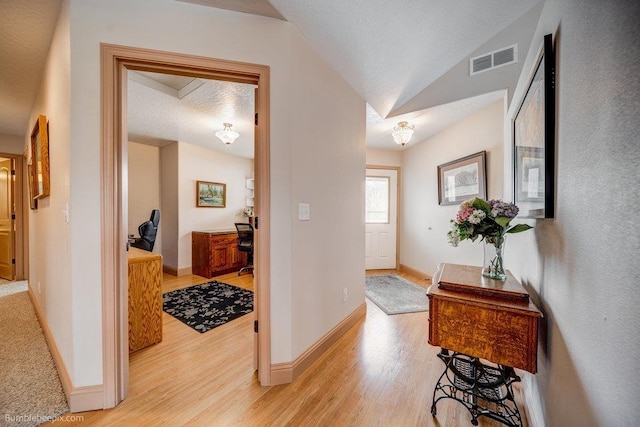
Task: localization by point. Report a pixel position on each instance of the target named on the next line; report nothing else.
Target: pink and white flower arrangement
(488, 220)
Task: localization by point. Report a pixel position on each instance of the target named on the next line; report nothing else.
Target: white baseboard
(284, 373)
(80, 399)
(88, 398)
(535, 415)
(412, 271)
(176, 271)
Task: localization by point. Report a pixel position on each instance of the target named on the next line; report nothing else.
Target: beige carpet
(30, 390)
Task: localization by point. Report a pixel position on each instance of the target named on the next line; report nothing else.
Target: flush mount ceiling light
(402, 133)
(227, 135)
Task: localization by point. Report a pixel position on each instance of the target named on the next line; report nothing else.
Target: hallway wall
(581, 267)
(305, 94)
(425, 224)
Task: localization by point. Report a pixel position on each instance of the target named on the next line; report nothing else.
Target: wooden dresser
(145, 299)
(484, 318)
(472, 319)
(216, 252)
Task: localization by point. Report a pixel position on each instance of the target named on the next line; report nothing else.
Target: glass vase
(493, 265)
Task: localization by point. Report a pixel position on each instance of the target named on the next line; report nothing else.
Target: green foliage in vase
(489, 220)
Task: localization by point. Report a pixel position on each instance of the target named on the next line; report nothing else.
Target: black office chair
(148, 231)
(245, 244)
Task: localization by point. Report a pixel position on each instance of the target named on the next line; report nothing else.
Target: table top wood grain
(482, 318)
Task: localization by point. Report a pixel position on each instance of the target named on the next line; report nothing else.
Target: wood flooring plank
(381, 372)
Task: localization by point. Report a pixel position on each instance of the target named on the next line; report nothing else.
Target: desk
(215, 252)
(479, 318)
(145, 298)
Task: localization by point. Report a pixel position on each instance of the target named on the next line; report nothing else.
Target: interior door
(6, 221)
(381, 218)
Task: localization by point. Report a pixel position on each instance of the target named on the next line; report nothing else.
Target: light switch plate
(304, 211)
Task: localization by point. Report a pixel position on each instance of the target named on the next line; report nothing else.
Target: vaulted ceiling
(408, 59)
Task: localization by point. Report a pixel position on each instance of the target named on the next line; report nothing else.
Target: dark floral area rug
(207, 306)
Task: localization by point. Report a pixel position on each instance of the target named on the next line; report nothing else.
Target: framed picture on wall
(211, 194)
(533, 139)
(40, 157)
(462, 179)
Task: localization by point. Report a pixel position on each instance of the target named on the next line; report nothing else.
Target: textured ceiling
(165, 108)
(428, 122)
(26, 28)
(391, 52)
(158, 115)
(254, 7)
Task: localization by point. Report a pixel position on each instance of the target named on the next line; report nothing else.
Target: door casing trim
(115, 61)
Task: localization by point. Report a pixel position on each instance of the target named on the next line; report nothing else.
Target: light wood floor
(380, 373)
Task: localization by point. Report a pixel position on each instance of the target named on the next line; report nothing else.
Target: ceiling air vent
(495, 59)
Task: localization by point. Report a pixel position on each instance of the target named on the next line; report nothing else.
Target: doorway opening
(382, 201)
(7, 216)
(117, 61)
(13, 256)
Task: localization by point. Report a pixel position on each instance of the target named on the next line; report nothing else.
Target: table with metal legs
(484, 389)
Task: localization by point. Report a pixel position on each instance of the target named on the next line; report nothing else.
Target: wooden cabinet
(215, 252)
(483, 318)
(145, 298)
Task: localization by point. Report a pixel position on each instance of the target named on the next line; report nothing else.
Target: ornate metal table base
(483, 389)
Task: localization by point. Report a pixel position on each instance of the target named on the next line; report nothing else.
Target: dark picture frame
(462, 179)
(534, 140)
(211, 194)
(40, 158)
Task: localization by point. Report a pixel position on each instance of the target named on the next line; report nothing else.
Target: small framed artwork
(533, 140)
(462, 179)
(211, 194)
(40, 158)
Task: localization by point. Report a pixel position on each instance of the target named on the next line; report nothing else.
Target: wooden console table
(478, 318)
(145, 298)
(216, 252)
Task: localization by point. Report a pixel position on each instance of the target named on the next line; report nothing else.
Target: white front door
(381, 218)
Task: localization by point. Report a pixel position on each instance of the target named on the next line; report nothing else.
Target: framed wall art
(462, 179)
(40, 158)
(534, 140)
(211, 194)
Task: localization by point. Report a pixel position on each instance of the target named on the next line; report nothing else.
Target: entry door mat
(396, 295)
(209, 305)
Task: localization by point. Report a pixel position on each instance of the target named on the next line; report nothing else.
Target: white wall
(12, 144)
(196, 163)
(327, 149)
(51, 260)
(169, 204)
(182, 165)
(582, 267)
(377, 157)
(144, 187)
(425, 223)
(317, 155)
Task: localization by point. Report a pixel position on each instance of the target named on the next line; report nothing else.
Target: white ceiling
(26, 28)
(390, 52)
(164, 108)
